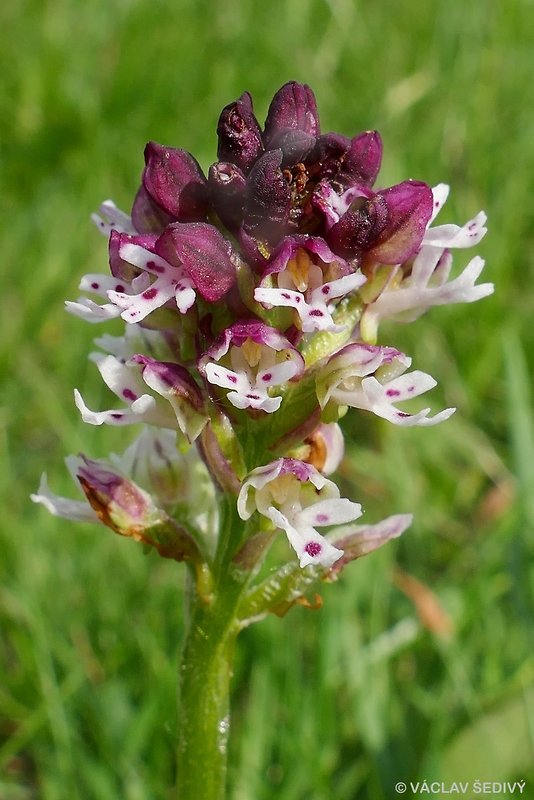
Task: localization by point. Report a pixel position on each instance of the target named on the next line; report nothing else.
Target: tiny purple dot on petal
(116, 415)
(313, 549)
(402, 414)
(298, 298)
(286, 295)
(253, 396)
(155, 267)
(150, 294)
(95, 286)
(325, 289)
(322, 518)
(315, 312)
(393, 393)
(119, 287)
(129, 395)
(232, 378)
(267, 377)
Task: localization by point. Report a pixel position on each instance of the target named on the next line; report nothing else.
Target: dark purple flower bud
(292, 108)
(239, 134)
(328, 153)
(147, 217)
(204, 254)
(175, 182)
(268, 199)
(409, 208)
(362, 160)
(227, 193)
(295, 146)
(359, 228)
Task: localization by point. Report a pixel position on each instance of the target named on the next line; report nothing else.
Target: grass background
(391, 680)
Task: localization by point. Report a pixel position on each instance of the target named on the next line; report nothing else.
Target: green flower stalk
(252, 299)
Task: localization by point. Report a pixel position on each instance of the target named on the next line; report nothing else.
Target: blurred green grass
(336, 704)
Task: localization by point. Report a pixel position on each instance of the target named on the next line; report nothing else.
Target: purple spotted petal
(227, 186)
(409, 208)
(292, 108)
(267, 199)
(204, 254)
(334, 511)
(239, 134)
(175, 182)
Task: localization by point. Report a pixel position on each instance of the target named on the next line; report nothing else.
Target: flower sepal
(129, 511)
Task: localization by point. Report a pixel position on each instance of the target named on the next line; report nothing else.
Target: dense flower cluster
(252, 299)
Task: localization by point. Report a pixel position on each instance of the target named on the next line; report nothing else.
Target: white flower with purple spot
(171, 283)
(375, 379)
(427, 283)
(308, 286)
(180, 407)
(256, 359)
(296, 498)
(101, 285)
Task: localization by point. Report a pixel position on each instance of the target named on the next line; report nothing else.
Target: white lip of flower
(75, 510)
(304, 290)
(112, 219)
(348, 379)
(171, 282)
(380, 398)
(428, 285)
(127, 383)
(100, 285)
(298, 505)
(254, 371)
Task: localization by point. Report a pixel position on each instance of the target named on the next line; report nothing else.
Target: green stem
(204, 676)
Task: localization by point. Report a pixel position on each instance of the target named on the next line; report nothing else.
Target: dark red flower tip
(359, 228)
(175, 182)
(409, 207)
(361, 162)
(239, 134)
(204, 254)
(292, 108)
(267, 200)
(388, 228)
(148, 217)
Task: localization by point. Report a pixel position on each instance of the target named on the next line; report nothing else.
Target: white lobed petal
(76, 510)
(334, 511)
(90, 311)
(112, 219)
